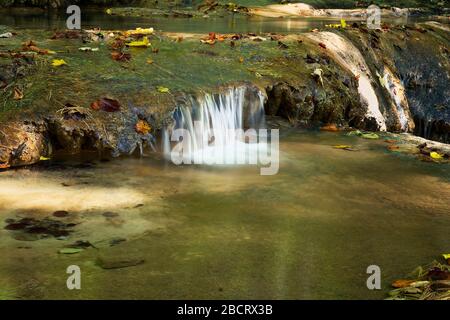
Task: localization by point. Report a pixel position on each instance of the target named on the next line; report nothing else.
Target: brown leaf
(106, 104)
(67, 34)
(402, 283)
(120, 56)
(18, 94)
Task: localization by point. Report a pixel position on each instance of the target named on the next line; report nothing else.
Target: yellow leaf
(343, 23)
(342, 146)
(446, 256)
(163, 89)
(143, 43)
(108, 11)
(43, 159)
(436, 155)
(149, 61)
(58, 62)
(140, 31)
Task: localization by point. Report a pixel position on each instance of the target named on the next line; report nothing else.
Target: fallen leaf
(241, 59)
(106, 104)
(43, 158)
(18, 94)
(120, 56)
(208, 41)
(402, 283)
(58, 62)
(162, 89)
(138, 31)
(436, 156)
(142, 127)
(31, 46)
(393, 147)
(66, 34)
(144, 43)
(342, 146)
(87, 49)
(4, 166)
(155, 50)
(149, 61)
(370, 135)
(329, 127)
(6, 35)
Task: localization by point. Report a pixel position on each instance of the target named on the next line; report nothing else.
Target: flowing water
(227, 232)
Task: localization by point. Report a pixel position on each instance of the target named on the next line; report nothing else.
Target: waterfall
(396, 91)
(212, 121)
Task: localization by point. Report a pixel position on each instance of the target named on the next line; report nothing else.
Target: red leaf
(106, 104)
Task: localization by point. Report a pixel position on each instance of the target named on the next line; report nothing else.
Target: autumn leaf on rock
(142, 127)
(106, 104)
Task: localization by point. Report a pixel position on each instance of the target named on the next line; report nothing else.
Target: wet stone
(33, 229)
(60, 214)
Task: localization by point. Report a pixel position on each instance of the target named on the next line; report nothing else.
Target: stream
(308, 232)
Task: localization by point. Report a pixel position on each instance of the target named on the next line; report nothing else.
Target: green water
(227, 24)
(308, 232)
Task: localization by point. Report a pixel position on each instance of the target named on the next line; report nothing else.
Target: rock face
(23, 143)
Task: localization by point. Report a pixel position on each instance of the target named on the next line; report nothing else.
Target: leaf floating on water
(163, 89)
(436, 156)
(58, 62)
(370, 136)
(70, 250)
(393, 147)
(144, 43)
(142, 127)
(331, 127)
(106, 104)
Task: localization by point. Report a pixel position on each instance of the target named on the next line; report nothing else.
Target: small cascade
(350, 57)
(212, 121)
(396, 90)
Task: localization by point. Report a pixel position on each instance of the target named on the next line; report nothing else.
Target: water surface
(308, 232)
